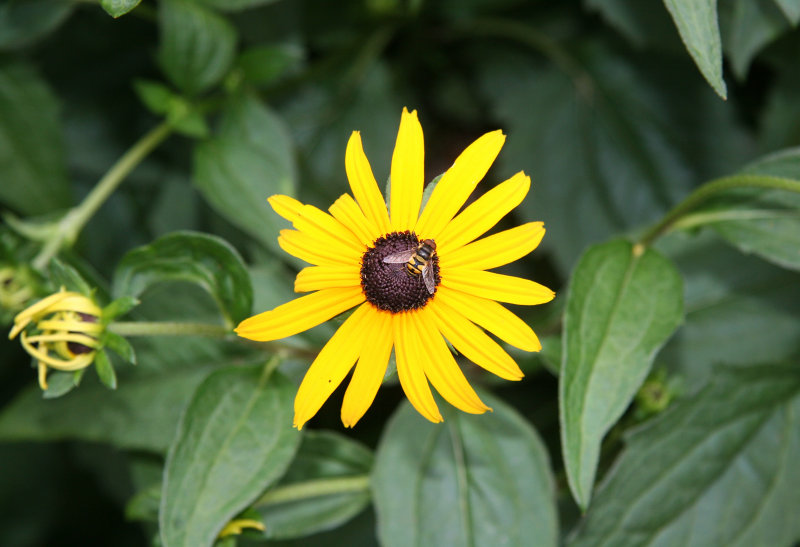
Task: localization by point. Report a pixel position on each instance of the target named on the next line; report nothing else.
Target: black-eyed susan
(354, 251)
(65, 332)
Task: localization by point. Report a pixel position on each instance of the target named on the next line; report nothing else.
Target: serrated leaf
(32, 152)
(717, 469)
(249, 160)
(119, 345)
(118, 8)
(322, 456)
(197, 45)
(234, 440)
(697, 24)
(205, 260)
(620, 309)
(23, 22)
(473, 480)
(105, 371)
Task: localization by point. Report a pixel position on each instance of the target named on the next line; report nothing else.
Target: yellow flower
(354, 251)
(65, 333)
(236, 526)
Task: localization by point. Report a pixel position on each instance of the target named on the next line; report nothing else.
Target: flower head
(60, 332)
(16, 287)
(376, 260)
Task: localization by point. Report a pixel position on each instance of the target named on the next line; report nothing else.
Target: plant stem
(672, 218)
(168, 328)
(313, 489)
(77, 217)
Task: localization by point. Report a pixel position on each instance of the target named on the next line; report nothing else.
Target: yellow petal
(480, 216)
(363, 185)
(42, 376)
(371, 367)
(458, 182)
(408, 349)
(496, 250)
(331, 366)
(494, 286)
(408, 173)
(75, 337)
(441, 368)
(285, 206)
(300, 314)
(472, 342)
(81, 361)
(314, 251)
(74, 325)
(347, 211)
(491, 316)
(328, 231)
(315, 278)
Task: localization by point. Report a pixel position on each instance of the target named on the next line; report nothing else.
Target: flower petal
(408, 349)
(458, 182)
(299, 314)
(473, 343)
(491, 316)
(494, 286)
(408, 173)
(315, 278)
(316, 251)
(371, 367)
(346, 210)
(363, 185)
(285, 206)
(441, 368)
(327, 230)
(497, 249)
(331, 366)
(484, 213)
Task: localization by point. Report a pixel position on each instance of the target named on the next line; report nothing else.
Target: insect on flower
(417, 261)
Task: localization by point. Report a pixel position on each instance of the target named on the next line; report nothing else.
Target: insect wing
(402, 256)
(427, 277)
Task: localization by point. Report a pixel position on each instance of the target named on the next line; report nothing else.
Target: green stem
(74, 221)
(313, 489)
(696, 198)
(168, 328)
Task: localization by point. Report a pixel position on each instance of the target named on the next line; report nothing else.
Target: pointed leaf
(104, 369)
(118, 8)
(473, 480)
(234, 440)
(119, 345)
(717, 469)
(620, 309)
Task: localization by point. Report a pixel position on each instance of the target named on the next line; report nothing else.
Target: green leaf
(32, 154)
(473, 480)
(697, 24)
(235, 439)
(308, 499)
(717, 469)
(23, 22)
(144, 505)
(104, 369)
(264, 65)
(205, 260)
(119, 345)
(155, 95)
(250, 159)
(197, 45)
(762, 221)
(118, 8)
(234, 5)
(60, 382)
(747, 27)
(119, 307)
(620, 309)
(644, 23)
(790, 9)
(64, 275)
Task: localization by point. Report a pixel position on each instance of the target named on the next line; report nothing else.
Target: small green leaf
(235, 439)
(105, 371)
(60, 382)
(23, 22)
(32, 152)
(620, 309)
(118, 345)
(144, 505)
(197, 45)
(249, 160)
(189, 122)
(697, 24)
(118, 8)
(264, 65)
(473, 480)
(323, 458)
(155, 95)
(119, 307)
(205, 260)
(64, 275)
(717, 469)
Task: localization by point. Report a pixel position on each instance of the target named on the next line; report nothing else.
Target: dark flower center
(390, 286)
(76, 347)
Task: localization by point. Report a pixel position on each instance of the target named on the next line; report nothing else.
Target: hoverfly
(417, 261)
